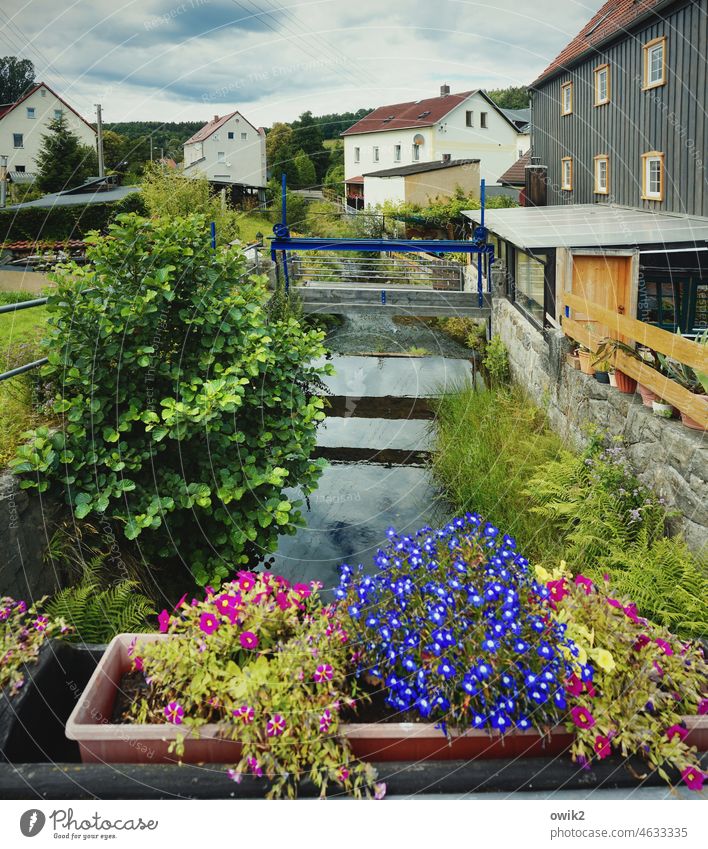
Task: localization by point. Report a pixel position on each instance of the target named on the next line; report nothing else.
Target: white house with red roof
(450, 127)
(228, 149)
(23, 123)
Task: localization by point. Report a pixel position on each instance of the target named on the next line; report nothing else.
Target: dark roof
(80, 199)
(516, 175)
(420, 168)
(614, 18)
(520, 117)
(414, 113)
(8, 107)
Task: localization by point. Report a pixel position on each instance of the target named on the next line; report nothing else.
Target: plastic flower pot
(585, 367)
(103, 741)
(692, 423)
(625, 383)
(647, 395)
(613, 379)
(662, 410)
(602, 377)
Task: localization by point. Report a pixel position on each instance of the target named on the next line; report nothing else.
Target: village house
(450, 127)
(230, 152)
(23, 123)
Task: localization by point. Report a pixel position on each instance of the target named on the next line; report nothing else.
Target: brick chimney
(444, 90)
(216, 118)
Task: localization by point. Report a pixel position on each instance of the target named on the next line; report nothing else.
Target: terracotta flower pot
(103, 741)
(585, 366)
(625, 383)
(647, 395)
(573, 361)
(692, 423)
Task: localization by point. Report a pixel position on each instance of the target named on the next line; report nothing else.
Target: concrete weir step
(409, 301)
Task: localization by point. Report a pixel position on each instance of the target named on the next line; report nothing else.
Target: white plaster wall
(33, 129)
(378, 190)
(244, 159)
(386, 142)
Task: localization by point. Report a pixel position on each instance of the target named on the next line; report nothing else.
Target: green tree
(280, 153)
(16, 76)
(64, 162)
(305, 170)
(512, 97)
(334, 180)
(307, 136)
(115, 150)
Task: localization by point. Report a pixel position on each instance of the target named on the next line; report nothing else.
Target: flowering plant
(23, 631)
(457, 629)
(645, 679)
(267, 661)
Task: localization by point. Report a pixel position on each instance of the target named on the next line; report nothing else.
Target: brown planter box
(101, 741)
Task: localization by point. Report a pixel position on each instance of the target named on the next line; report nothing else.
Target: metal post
(213, 235)
(99, 141)
(482, 199)
(283, 200)
(3, 181)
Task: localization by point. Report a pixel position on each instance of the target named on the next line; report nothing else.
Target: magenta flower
(255, 767)
(208, 623)
(557, 589)
(174, 713)
(602, 746)
(614, 603)
(676, 731)
(665, 647)
(138, 663)
(226, 603)
(164, 621)
(246, 581)
(40, 623)
(574, 686)
(248, 640)
(179, 604)
(324, 672)
(343, 774)
(641, 641)
(693, 778)
(316, 585)
(380, 790)
(582, 717)
(585, 583)
(630, 610)
(275, 725)
(325, 721)
(703, 707)
(245, 713)
(302, 590)
(234, 776)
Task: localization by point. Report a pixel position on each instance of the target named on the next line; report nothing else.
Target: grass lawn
(250, 224)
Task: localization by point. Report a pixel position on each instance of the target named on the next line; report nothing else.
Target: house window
(230, 135)
(57, 114)
(221, 156)
(20, 169)
(483, 120)
(653, 175)
(244, 136)
(673, 299)
(416, 153)
(397, 153)
(17, 140)
(529, 276)
(357, 154)
(567, 99)
(602, 85)
(602, 174)
(43, 92)
(655, 62)
(30, 111)
(469, 118)
(375, 152)
(567, 174)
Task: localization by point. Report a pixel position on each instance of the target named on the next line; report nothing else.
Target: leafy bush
(496, 363)
(645, 680)
(63, 222)
(457, 629)
(267, 662)
(185, 410)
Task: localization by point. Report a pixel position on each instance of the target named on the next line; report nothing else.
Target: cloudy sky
(272, 59)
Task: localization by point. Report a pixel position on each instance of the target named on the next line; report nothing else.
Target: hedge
(63, 222)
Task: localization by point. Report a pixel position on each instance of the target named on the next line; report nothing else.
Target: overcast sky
(179, 60)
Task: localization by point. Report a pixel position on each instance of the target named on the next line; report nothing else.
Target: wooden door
(604, 280)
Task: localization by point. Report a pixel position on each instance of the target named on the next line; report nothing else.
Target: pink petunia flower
(41, 622)
(641, 641)
(282, 600)
(179, 604)
(325, 720)
(703, 707)
(246, 581)
(174, 712)
(380, 790)
(343, 774)
(557, 589)
(255, 767)
(208, 623)
(324, 672)
(138, 664)
(574, 686)
(164, 621)
(302, 590)
(630, 611)
(248, 640)
(225, 603)
(585, 583)
(245, 714)
(614, 603)
(676, 731)
(275, 725)
(234, 776)
(602, 746)
(665, 647)
(693, 778)
(582, 717)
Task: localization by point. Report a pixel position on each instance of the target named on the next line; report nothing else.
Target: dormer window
(567, 98)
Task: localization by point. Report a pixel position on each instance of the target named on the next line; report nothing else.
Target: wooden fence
(632, 330)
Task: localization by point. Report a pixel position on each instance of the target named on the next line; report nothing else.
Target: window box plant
(606, 352)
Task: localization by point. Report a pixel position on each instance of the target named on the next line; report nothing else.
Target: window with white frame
(30, 112)
(17, 140)
(357, 154)
(653, 175)
(567, 174)
(221, 156)
(397, 153)
(244, 136)
(229, 135)
(567, 98)
(416, 153)
(655, 62)
(375, 154)
(602, 85)
(602, 174)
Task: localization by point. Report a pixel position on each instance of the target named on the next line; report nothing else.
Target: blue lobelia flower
(446, 669)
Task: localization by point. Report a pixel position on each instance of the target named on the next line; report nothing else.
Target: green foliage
(274, 676)
(333, 183)
(167, 193)
(496, 363)
(511, 97)
(16, 76)
(442, 211)
(692, 379)
(63, 222)
(645, 679)
(280, 154)
(305, 170)
(185, 410)
(63, 162)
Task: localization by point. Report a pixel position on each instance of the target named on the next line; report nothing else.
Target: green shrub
(496, 363)
(185, 410)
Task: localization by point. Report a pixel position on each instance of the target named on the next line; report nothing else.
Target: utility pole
(150, 147)
(3, 181)
(99, 140)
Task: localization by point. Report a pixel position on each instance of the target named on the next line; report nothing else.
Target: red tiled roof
(612, 19)
(355, 180)
(8, 107)
(400, 116)
(209, 128)
(516, 175)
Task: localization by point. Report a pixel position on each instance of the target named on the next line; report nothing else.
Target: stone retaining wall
(666, 456)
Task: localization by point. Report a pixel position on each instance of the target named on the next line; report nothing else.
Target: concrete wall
(23, 280)
(426, 187)
(667, 457)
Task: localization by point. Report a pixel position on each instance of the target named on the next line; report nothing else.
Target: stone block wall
(667, 457)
